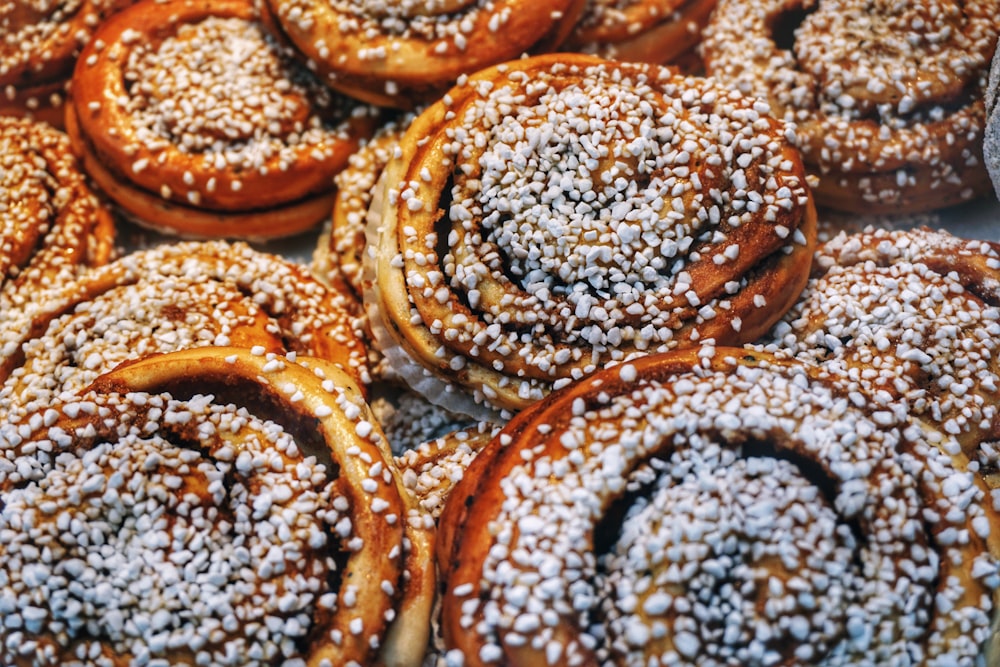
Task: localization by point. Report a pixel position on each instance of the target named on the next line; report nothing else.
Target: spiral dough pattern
(556, 214)
(716, 507)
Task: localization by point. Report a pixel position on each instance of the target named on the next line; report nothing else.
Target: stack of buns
(453, 333)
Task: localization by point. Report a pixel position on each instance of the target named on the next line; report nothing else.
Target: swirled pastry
(912, 319)
(557, 214)
(716, 507)
(653, 31)
(887, 97)
(402, 53)
(206, 507)
(197, 122)
(52, 227)
(39, 46)
(173, 297)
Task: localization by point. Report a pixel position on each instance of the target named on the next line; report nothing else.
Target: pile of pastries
(624, 334)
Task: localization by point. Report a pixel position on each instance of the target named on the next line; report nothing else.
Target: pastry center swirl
(585, 202)
(151, 546)
(902, 54)
(220, 87)
(732, 558)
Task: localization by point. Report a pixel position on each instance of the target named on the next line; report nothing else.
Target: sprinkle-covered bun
(717, 507)
(177, 296)
(207, 507)
(887, 97)
(410, 51)
(52, 226)
(651, 31)
(912, 319)
(39, 46)
(197, 122)
(560, 213)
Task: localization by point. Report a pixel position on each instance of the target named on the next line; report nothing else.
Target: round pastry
(177, 296)
(717, 507)
(912, 319)
(207, 507)
(53, 227)
(560, 213)
(652, 31)
(887, 97)
(39, 46)
(195, 121)
(402, 53)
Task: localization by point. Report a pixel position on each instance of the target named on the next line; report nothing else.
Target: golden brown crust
(171, 218)
(512, 258)
(53, 226)
(404, 53)
(887, 99)
(651, 31)
(246, 132)
(319, 549)
(612, 522)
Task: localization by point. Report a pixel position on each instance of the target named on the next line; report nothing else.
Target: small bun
(401, 54)
(197, 122)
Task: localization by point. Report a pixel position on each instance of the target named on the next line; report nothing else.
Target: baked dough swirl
(196, 121)
(887, 96)
(717, 507)
(559, 213)
(910, 318)
(652, 31)
(177, 296)
(205, 507)
(400, 54)
(53, 227)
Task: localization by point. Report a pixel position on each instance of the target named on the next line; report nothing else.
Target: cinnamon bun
(39, 46)
(399, 54)
(177, 296)
(560, 213)
(209, 506)
(887, 97)
(197, 122)
(910, 318)
(652, 31)
(717, 507)
(53, 227)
